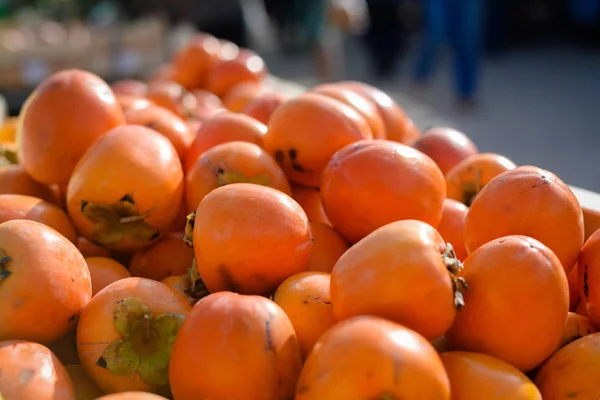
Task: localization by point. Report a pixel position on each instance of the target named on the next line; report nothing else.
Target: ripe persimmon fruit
(304, 297)
(527, 201)
(328, 247)
(168, 256)
(124, 199)
(85, 388)
(229, 338)
(130, 102)
(232, 162)
(305, 131)
(576, 327)
(14, 180)
(133, 87)
(44, 282)
(104, 271)
(225, 75)
(368, 357)
(180, 284)
(69, 111)
(89, 249)
(191, 64)
(452, 225)
(311, 202)
(589, 277)
(446, 146)
(381, 181)
(207, 104)
(262, 107)
(402, 271)
(516, 305)
(574, 295)
(241, 95)
(173, 97)
(126, 333)
(250, 258)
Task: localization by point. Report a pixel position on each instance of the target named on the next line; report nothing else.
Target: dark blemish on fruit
(268, 333)
(72, 318)
(279, 156)
(102, 363)
(152, 125)
(298, 167)
(154, 236)
(128, 199)
(327, 302)
(293, 153)
(83, 205)
(220, 171)
(586, 288)
(572, 394)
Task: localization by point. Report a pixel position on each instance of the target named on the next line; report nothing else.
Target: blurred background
(520, 77)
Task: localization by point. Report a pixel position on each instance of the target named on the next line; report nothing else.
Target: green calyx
(230, 176)
(471, 189)
(4, 272)
(145, 345)
(117, 222)
(188, 237)
(459, 285)
(197, 289)
(8, 157)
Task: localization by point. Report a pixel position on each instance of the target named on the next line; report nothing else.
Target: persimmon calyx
(145, 345)
(4, 272)
(388, 396)
(117, 222)
(471, 189)
(226, 177)
(459, 285)
(8, 156)
(197, 289)
(188, 237)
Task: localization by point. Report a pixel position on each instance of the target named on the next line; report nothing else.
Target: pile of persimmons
(204, 235)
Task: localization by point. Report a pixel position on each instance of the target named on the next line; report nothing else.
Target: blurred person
(460, 23)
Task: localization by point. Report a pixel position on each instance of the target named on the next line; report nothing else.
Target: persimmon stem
(459, 285)
(4, 259)
(188, 238)
(197, 289)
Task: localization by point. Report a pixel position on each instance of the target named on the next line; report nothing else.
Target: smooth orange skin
(30, 371)
(16, 206)
(311, 202)
(49, 285)
(104, 271)
(69, 111)
(168, 256)
(85, 389)
(396, 272)
(573, 279)
(180, 221)
(589, 277)
(131, 102)
(365, 106)
(173, 97)
(328, 247)
(65, 348)
(369, 184)
(164, 122)
(132, 396)
(516, 305)
(262, 107)
(464, 176)
(446, 146)
(222, 128)
(528, 201)
(580, 309)
(305, 299)
(14, 180)
(225, 75)
(207, 104)
(192, 63)
(576, 327)
(311, 128)
(89, 249)
(180, 283)
(572, 372)
(398, 127)
(151, 175)
(132, 87)
(452, 226)
(241, 95)
(96, 329)
(368, 357)
(233, 346)
(475, 376)
(247, 158)
(236, 253)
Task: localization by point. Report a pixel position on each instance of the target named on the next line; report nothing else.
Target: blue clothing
(458, 22)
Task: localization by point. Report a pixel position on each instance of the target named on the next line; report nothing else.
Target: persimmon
(180, 284)
(132, 87)
(232, 162)
(440, 344)
(469, 176)
(576, 327)
(168, 256)
(173, 97)
(30, 371)
(123, 199)
(104, 271)
(130, 102)
(368, 357)
(164, 122)
(228, 50)
(307, 130)
(398, 127)
(16, 206)
(572, 372)
(233, 346)
(580, 309)
(126, 332)
(475, 376)
(365, 106)
(452, 225)
(402, 271)
(132, 396)
(589, 277)
(85, 388)
(65, 348)
(516, 305)
(207, 104)
(446, 146)
(69, 111)
(264, 105)
(305, 299)
(222, 128)
(250, 258)
(328, 247)
(246, 67)
(311, 202)
(573, 279)
(43, 278)
(14, 180)
(382, 181)
(527, 201)
(192, 63)
(241, 95)
(180, 221)
(89, 249)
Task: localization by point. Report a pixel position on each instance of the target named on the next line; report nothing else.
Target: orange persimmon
(89, 249)
(14, 180)
(311, 202)
(104, 271)
(446, 146)
(589, 277)
(328, 247)
(576, 327)
(452, 225)
(192, 63)
(246, 67)
(173, 97)
(168, 256)
(262, 107)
